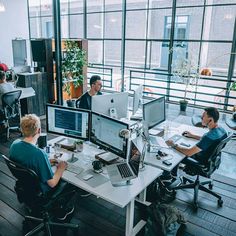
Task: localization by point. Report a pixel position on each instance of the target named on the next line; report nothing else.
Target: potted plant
(186, 72)
(79, 145)
(74, 59)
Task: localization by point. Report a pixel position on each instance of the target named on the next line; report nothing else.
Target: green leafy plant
(233, 86)
(73, 61)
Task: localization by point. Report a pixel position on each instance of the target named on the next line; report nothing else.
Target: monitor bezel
(152, 101)
(105, 146)
(69, 109)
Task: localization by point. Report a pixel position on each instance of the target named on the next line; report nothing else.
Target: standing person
(95, 87)
(26, 153)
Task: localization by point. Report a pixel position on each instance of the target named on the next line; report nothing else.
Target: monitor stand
(72, 159)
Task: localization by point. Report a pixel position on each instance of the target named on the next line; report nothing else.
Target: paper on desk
(161, 142)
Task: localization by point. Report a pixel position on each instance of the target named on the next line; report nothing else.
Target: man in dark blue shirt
(95, 87)
(207, 143)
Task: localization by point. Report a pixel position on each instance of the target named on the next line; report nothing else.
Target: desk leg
(142, 196)
(130, 230)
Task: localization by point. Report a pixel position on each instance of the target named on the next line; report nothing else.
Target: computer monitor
(69, 122)
(105, 132)
(138, 94)
(154, 112)
(114, 105)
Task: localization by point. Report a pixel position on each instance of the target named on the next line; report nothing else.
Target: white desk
(174, 156)
(120, 196)
(26, 92)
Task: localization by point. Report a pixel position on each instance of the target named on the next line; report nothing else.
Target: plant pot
(70, 103)
(183, 105)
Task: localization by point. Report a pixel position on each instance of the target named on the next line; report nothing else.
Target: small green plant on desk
(79, 145)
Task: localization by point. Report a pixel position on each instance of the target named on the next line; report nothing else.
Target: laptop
(125, 171)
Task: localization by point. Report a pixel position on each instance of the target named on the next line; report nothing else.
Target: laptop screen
(134, 158)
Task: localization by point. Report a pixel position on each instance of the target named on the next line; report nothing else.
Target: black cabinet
(36, 104)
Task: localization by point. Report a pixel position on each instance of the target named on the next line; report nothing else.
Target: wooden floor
(97, 217)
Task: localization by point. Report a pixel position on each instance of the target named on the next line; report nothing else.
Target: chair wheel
(220, 202)
(210, 186)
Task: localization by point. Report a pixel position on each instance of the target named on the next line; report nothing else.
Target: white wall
(13, 24)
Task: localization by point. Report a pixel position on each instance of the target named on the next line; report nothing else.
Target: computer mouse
(185, 133)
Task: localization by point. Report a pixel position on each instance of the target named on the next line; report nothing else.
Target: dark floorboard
(96, 217)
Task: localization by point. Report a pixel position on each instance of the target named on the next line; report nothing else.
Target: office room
(118, 117)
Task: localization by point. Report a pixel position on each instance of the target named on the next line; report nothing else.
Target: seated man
(4, 88)
(26, 153)
(207, 142)
(95, 87)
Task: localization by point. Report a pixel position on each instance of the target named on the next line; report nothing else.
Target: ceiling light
(2, 7)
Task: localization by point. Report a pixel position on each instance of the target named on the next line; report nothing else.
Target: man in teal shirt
(26, 153)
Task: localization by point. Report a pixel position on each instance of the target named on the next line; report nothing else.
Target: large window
(146, 37)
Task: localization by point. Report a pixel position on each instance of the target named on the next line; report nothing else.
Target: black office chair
(194, 167)
(11, 109)
(28, 191)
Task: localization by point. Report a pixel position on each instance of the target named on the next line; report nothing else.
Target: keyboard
(176, 137)
(74, 169)
(124, 170)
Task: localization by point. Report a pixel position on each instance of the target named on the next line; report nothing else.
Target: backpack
(163, 220)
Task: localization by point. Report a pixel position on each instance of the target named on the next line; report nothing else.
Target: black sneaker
(64, 213)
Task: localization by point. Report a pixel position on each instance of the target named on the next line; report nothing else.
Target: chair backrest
(194, 167)
(11, 103)
(214, 159)
(27, 185)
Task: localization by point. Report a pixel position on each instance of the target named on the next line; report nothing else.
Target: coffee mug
(97, 165)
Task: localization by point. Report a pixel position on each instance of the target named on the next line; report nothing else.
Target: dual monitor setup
(115, 105)
(104, 129)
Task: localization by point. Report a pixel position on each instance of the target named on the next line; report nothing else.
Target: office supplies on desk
(95, 181)
(166, 162)
(175, 138)
(106, 157)
(87, 177)
(157, 141)
(185, 144)
(156, 132)
(74, 169)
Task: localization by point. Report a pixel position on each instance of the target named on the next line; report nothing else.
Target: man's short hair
(213, 113)
(94, 79)
(2, 75)
(29, 125)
